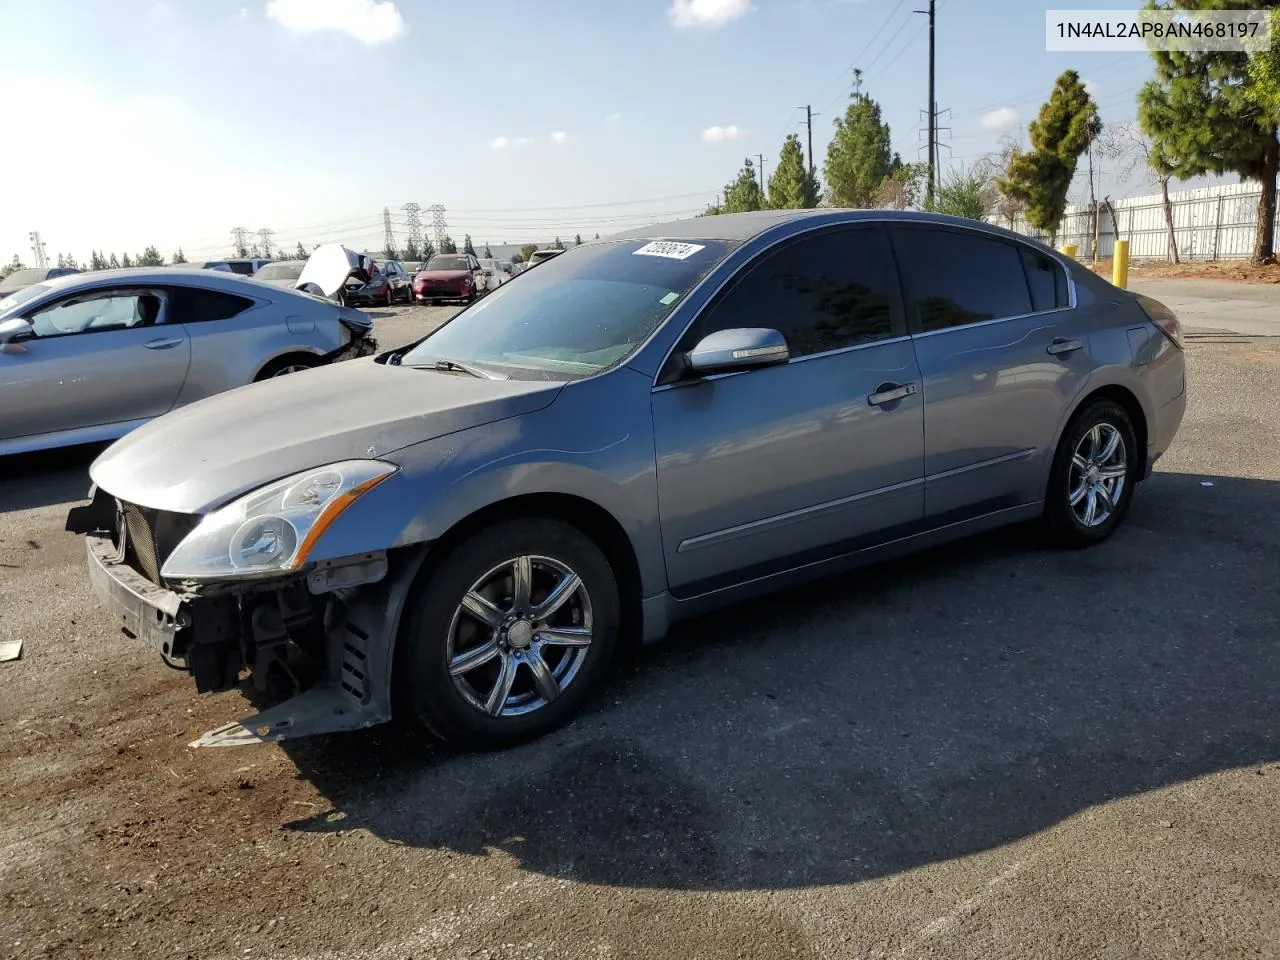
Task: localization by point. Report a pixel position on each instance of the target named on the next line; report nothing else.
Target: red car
(448, 276)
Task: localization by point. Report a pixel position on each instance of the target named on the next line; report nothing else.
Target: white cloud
(999, 119)
(560, 137)
(1092, 87)
(706, 13)
(502, 142)
(721, 134)
(369, 21)
(614, 117)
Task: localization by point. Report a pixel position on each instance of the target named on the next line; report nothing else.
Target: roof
(209, 279)
(744, 226)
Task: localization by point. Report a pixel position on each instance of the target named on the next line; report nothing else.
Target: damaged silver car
(464, 531)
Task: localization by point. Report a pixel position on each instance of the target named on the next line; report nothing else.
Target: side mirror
(15, 329)
(739, 349)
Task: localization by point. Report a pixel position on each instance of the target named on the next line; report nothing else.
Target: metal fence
(1209, 223)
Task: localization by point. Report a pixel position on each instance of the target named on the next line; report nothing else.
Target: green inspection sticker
(669, 299)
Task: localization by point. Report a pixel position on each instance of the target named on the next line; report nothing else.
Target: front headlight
(273, 529)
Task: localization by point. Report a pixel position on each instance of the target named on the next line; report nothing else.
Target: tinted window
(953, 277)
(192, 305)
(821, 293)
(1047, 280)
(577, 314)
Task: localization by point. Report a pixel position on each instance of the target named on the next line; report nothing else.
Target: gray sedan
(89, 357)
(640, 430)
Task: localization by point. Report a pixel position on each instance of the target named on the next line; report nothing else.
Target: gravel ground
(991, 750)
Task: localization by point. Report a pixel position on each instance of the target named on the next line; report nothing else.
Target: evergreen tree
(466, 245)
(125, 261)
(488, 254)
(447, 245)
(1209, 112)
(150, 258)
(792, 187)
(741, 194)
(1040, 177)
(577, 239)
(411, 252)
(178, 257)
(859, 156)
(113, 263)
(300, 253)
(557, 245)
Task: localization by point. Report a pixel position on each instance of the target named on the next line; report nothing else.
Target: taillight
(1162, 317)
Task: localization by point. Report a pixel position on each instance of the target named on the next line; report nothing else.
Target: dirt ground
(989, 751)
(1240, 271)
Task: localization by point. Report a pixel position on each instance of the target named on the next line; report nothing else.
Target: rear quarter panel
(230, 353)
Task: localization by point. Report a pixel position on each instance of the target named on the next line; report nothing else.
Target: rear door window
(1046, 280)
(958, 277)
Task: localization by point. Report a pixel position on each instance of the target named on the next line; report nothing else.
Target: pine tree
(488, 254)
(528, 250)
(150, 258)
(411, 252)
(577, 239)
(466, 245)
(558, 245)
(792, 187)
(178, 257)
(1040, 177)
(1207, 112)
(860, 155)
(447, 245)
(743, 193)
(125, 261)
(390, 253)
(428, 251)
(113, 263)
(301, 252)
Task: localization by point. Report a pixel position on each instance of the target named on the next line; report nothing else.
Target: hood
(330, 266)
(202, 455)
(440, 274)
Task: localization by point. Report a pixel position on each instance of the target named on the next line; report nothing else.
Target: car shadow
(30, 480)
(919, 711)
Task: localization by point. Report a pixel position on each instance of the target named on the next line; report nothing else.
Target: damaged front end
(316, 641)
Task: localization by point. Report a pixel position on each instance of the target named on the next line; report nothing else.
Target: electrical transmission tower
(388, 238)
(265, 235)
(413, 224)
(438, 226)
(37, 249)
(240, 238)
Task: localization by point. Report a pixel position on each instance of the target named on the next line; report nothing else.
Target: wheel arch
(1117, 393)
(282, 359)
(580, 512)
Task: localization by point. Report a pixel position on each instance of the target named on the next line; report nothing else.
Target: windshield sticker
(669, 299)
(669, 249)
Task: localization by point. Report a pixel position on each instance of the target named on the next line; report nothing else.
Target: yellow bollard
(1069, 249)
(1120, 264)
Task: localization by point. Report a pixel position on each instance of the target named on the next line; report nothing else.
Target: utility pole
(37, 249)
(438, 225)
(265, 234)
(933, 108)
(414, 225)
(760, 157)
(388, 238)
(808, 122)
(240, 237)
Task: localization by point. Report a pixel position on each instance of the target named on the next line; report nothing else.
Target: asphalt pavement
(989, 750)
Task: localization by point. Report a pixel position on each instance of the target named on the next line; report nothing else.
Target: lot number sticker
(669, 249)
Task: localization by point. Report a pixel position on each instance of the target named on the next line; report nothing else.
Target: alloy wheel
(291, 368)
(520, 636)
(1099, 471)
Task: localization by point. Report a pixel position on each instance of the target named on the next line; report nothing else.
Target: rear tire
(282, 366)
(452, 664)
(1093, 476)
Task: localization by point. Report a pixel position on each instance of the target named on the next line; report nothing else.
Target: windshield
(447, 263)
(576, 315)
(280, 271)
(22, 296)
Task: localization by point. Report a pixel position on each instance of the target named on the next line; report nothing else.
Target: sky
(171, 122)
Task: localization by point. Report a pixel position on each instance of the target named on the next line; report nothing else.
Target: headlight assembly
(273, 529)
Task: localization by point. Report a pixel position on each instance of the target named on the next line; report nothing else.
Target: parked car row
(463, 532)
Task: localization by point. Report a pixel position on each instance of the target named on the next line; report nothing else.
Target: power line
(414, 224)
(438, 225)
(388, 238)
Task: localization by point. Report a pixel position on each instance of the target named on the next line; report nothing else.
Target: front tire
(1094, 472)
(508, 635)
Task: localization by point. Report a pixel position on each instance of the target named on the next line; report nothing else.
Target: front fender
(592, 442)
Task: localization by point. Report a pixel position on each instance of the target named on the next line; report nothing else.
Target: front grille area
(152, 536)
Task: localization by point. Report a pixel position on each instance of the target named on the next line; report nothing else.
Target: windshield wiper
(453, 366)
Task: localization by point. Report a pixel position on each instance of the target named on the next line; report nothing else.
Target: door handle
(1061, 345)
(164, 343)
(889, 392)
